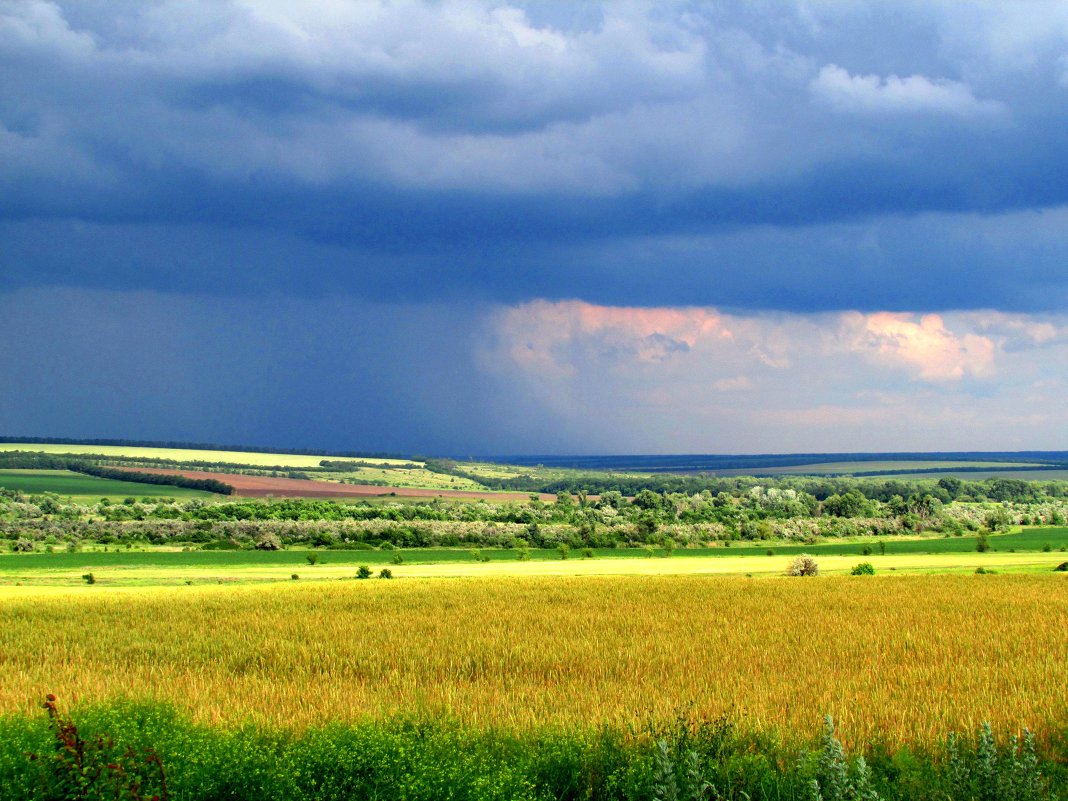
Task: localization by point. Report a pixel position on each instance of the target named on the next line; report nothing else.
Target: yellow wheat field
(893, 658)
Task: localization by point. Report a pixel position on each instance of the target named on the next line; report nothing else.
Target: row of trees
(758, 513)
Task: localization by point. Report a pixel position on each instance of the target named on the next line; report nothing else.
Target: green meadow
(1027, 550)
(84, 487)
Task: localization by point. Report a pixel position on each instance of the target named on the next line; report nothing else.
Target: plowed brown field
(262, 486)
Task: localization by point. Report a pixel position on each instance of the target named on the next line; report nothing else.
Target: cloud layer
(482, 225)
(789, 156)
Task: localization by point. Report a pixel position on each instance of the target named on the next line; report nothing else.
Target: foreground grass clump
(523, 653)
(147, 751)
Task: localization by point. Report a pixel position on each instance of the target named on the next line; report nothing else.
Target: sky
(473, 228)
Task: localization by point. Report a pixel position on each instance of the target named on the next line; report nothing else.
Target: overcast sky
(545, 227)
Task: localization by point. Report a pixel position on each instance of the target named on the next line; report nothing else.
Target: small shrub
(587, 553)
(363, 571)
(89, 578)
(771, 552)
(313, 558)
(294, 577)
(865, 551)
(563, 549)
(803, 565)
(1062, 567)
(982, 543)
(397, 559)
(385, 573)
(863, 569)
(1047, 548)
(984, 571)
(22, 545)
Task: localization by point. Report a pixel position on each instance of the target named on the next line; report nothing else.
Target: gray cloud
(473, 134)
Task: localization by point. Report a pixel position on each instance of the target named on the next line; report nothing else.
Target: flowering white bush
(803, 565)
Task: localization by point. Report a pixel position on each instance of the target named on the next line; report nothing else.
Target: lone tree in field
(803, 565)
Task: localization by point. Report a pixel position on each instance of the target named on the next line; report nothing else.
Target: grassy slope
(77, 485)
(982, 475)
(903, 466)
(420, 478)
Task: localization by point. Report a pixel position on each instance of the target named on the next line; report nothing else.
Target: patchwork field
(189, 454)
(263, 486)
(419, 478)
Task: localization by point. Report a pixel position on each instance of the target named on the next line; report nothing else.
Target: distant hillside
(774, 463)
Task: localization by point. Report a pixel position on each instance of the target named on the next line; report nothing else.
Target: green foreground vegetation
(147, 751)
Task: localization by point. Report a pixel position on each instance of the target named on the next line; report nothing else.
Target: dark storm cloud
(331, 373)
(920, 263)
(794, 156)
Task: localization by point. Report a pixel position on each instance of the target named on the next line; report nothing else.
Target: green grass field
(83, 487)
(1022, 551)
(190, 455)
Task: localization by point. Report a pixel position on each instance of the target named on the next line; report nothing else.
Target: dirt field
(262, 486)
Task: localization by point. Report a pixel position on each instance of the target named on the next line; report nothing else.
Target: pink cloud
(925, 346)
(538, 332)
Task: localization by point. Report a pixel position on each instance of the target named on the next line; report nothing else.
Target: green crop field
(1030, 550)
(189, 454)
(79, 486)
